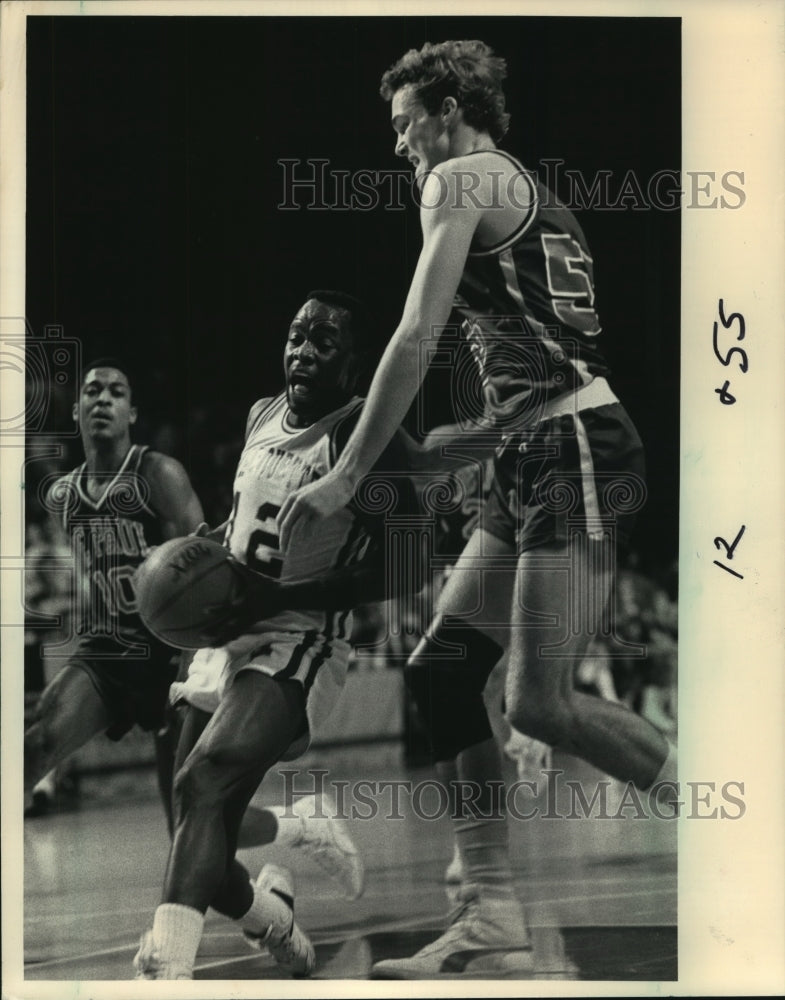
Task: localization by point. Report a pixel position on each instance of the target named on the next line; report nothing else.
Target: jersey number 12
(263, 552)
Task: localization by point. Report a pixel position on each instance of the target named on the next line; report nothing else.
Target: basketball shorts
(579, 471)
(315, 661)
(135, 690)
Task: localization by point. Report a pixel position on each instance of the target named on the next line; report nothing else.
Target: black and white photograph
(392, 490)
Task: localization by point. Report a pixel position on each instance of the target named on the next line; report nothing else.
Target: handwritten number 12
(729, 550)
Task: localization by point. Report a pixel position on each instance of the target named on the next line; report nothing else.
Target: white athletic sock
(266, 908)
(177, 931)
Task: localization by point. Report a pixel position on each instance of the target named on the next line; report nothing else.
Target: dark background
(153, 230)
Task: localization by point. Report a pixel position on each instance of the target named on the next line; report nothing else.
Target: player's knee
(446, 687)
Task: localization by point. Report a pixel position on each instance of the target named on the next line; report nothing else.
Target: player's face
(104, 410)
(420, 137)
(319, 360)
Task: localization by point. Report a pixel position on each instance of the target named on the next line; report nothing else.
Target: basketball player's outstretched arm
(172, 496)
(447, 235)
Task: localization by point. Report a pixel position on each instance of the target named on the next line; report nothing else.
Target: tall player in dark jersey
(514, 264)
(123, 499)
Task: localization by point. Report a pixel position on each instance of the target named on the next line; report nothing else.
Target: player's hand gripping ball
(191, 593)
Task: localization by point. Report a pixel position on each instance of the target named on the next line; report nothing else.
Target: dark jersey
(110, 536)
(526, 306)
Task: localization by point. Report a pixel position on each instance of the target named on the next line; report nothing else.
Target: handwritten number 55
(727, 323)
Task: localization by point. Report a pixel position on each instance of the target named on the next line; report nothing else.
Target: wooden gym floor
(599, 894)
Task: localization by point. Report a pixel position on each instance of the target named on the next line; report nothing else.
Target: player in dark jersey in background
(255, 700)
(513, 262)
(111, 510)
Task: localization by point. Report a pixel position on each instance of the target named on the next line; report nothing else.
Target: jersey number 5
(570, 282)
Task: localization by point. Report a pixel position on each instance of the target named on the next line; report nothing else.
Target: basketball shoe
(316, 830)
(486, 936)
(288, 945)
(148, 964)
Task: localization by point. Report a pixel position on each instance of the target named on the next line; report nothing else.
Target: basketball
(187, 590)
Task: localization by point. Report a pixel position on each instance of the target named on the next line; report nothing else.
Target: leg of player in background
(540, 695)
(165, 741)
(254, 725)
(69, 713)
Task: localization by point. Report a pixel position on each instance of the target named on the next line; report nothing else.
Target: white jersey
(277, 460)
(311, 647)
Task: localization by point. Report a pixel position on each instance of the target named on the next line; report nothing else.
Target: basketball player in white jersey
(513, 263)
(255, 701)
(123, 499)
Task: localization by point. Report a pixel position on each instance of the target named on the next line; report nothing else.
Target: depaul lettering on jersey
(107, 551)
(277, 463)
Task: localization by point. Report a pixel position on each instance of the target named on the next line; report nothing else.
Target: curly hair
(467, 71)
